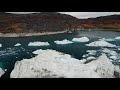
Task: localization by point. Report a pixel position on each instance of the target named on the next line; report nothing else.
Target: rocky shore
(29, 34)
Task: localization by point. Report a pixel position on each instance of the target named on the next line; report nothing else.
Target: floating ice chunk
(111, 52)
(38, 51)
(65, 41)
(5, 70)
(113, 57)
(119, 61)
(110, 39)
(1, 72)
(92, 52)
(101, 43)
(18, 44)
(104, 67)
(53, 64)
(117, 38)
(83, 39)
(91, 58)
(38, 44)
(0, 45)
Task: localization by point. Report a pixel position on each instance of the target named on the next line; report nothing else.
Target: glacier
(54, 64)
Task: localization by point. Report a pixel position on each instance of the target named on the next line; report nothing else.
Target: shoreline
(51, 33)
(30, 34)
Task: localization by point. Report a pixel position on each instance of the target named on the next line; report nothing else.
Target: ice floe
(108, 51)
(8, 51)
(0, 45)
(38, 44)
(1, 72)
(82, 39)
(113, 57)
(109, 39)
(65, 41)
(101, 43)
(92, 52)
(18, 44)
(117, 38)
(53, 64)
(91, 58)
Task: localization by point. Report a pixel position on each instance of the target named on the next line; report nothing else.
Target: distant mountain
(37, 22)
(53, 22)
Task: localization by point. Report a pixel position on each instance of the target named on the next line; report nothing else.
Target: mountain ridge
(53, 22)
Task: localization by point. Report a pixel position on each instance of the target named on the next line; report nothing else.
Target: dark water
(10, 54)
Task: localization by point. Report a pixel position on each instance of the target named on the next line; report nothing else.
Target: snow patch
(82, 39)
(101, 43)
(38, 44)
(65, 41)
(18, 44)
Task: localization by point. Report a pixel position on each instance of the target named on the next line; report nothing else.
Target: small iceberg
(18, 44)
(111, 52)
(113, 57)
(101, 43)
(1, 72)
(91, 58)
(38, 44)
(0, 45)
(92, 52)
(117, 38)
(109, 39)
(65, 41)
(82, 39)
(38, 51)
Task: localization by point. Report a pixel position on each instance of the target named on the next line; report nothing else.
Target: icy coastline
(53, 64)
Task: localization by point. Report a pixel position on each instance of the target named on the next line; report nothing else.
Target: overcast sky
(81, 14)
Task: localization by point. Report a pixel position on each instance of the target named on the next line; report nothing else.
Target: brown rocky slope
(53, 22)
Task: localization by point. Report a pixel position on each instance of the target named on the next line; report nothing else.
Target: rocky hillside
(37, 22)
(52, 22)
(103, 22)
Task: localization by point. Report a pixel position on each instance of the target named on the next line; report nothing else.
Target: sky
(80, 14)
